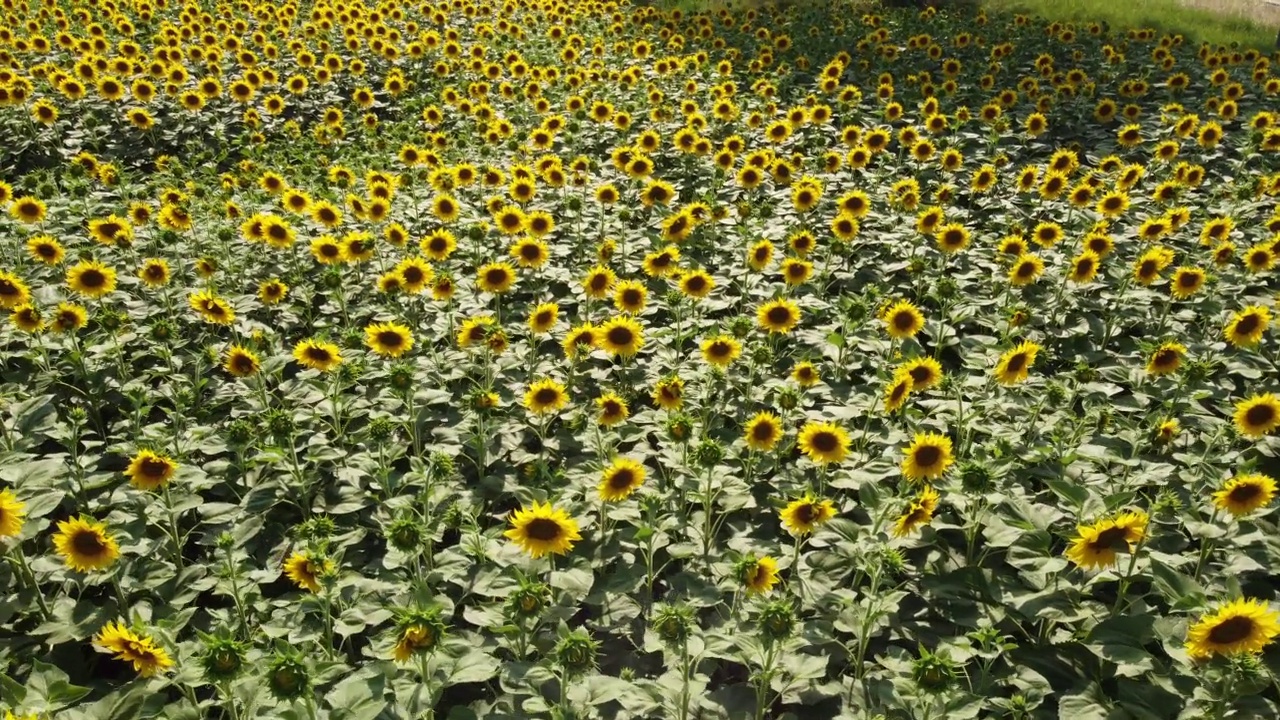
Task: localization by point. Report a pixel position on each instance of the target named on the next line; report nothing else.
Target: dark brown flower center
(1247, 324)
(621, 335)
(622, 479)
(92, 278)
(1260, 415)
(88, 543)
(317, 354)
(496, 277)
(762, 432)
(1017, 362)
(153, 468)
(543, 529)
(546, 396)
(928, 455)
(779, 315)
(1231, 630)
(824, 441)
(390, 338)
(904, 320)
(1244, 493)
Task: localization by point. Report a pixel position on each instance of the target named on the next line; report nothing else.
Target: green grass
(1220, 22)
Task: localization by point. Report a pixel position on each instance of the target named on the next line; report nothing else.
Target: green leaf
(1180, 591)
(473, 667)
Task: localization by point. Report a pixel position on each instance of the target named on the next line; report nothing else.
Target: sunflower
(141, 651)
(150, 471)
(85, 544)
(824, 442)
(621, 336)
(305, 569)
(801, 517)
(27, 319)
(663, 262)
(759, 575)
(1242, 626)
(89, 278)
(928, 457)
(28, 210)
(13, 291)
(1015, 363)
(154, 272)
(530, 253)
(1084, 267)
(778, 316)
(272, 291)
(1168, 430)
(598, 282)
(1186, 282)
(623, 477)
(795, 272)
(439, 245)
(540, 529)
(613, 409)
(630, 296)
(1259, 258)
(111, 230)
(12, 514)
(388, 339)
(925, 372)
(903, 320)
(543, 317)
(46, 250)
(1258, 415)
(1026, 270)
(581, 340)
(1245, 493)
(495, 278)
(805, 374)
(1246, 327)
(415, 274)
(241, 362)
(212, 308)
(696, 284)
(952, 238)
(317, 355)
(897, 391)
(668, 393)
(418, 631)
(545, 396)
(763, 431)
(919, 512)
(721, 350)
(1097, 545)
(1166, 359)
(69, 317)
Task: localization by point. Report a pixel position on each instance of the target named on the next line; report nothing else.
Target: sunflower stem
(1206, 547)
(174, 533)
(29, 578)
(1128, 575)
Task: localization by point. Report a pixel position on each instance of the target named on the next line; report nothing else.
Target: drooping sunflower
(1097, 545)
(919, 513)
(212, 308)
(1258, 415)
(721, 350)
(759, 575)
(1166, 359)
(778, 316)
(85, 544)
(241, 361)
(1242, 626)
(613, 409)
(317, 355)
(91, 278)
(623, 477)
(622, 336)
(388, 339)
(305, 569)
(802, 516)
(13, 291)
(668, 393)
(541, 528)
(150, 471)
(417, 631)
(1015, 364)
(763, 431)
(1246, 327)
(824, 442)
(897, 391)
(903, 320)
(142, 651)
(1245, 493)
(13, 513)
(928, 457)
(545, 396)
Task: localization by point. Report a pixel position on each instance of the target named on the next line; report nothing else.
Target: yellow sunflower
(760, 575)
(322, 356)
(763, 431)
(541, 528)
(1246, 327)
(1245, 493)
(496, 278)
(903, 320)
(778, 316)
(613, 409)
(824, 442)
(1097, 545)
(1015, 363)
(212, 308)
(141, 651)
(621, 336)
(1166, 359)
(1258, 415)
(925, 372)
(388, 339)
(802, 516)
(91, 278)
(150, 471)
(1242, 626)
(721, 350)
(623, 477)
(306, 568)
(919, 513)
(241, 361)
(85, 544)
(928, 457)
(13, 291)
(13, 513)
(545, 396)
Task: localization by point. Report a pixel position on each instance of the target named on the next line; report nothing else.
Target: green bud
(776, 622)
(576, 653)
(223, 659)
(287, 677)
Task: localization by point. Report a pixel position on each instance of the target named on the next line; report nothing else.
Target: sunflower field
(568, 358)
